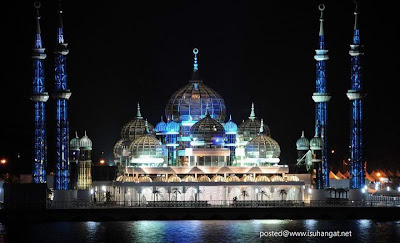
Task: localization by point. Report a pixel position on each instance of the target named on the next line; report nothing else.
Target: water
(194, 231)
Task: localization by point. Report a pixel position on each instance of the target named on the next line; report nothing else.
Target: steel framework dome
(74, 144)
(161, 126)
(118, 149)
(230, 127)
(147, 146)
(316, 143)
(250, 128)
(189, 102)
(303, 143)
(172, 126)
(208, 130)
(135, 128)
(262, 146)
(85, 142)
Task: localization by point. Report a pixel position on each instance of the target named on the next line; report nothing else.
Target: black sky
(262, 51)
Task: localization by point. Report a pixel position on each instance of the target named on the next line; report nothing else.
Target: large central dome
(189, 102)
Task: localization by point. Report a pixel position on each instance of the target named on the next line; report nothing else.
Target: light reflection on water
(192, 230)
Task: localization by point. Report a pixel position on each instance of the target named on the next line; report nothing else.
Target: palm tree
(244, 194)
(282, 192)
(263, 193)
(156, 193)
(176, 191)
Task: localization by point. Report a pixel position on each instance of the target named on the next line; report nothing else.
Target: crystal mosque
(196, 153)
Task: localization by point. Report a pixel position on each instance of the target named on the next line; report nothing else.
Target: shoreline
(133, 214)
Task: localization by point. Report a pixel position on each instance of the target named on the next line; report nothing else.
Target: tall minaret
(356, 95)
(61, 94)
(39, 97)
(321, 98)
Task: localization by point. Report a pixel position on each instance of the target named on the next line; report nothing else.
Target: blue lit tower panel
(172, 132)
(321, 98)
(356, 95)
(39, 97)
(230, 139)
(61, 94)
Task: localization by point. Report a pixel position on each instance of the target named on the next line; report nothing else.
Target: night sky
(250, 51)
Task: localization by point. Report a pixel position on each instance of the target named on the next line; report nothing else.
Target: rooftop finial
(262, 126)
(230, 117)
(138, 114)
(76, 134)
(195, 65)
(60, 27)
(162, 118)
(302, 134)
(85, 134)
(321, 8)
(37, 5)
(207, 111)
(252, 113)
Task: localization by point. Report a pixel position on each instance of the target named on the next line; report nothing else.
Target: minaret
(39, 97)
(321, 98)
(61, 95)
(356, 95)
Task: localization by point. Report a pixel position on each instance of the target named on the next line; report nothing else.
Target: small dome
(275, 178)
(174, 178)
(135, 128)
(118, 149)
(130, 179)
(208, 130)
(74, 144)
(263, 147)
(303, 143)
(250, 128)
(147, 146)
(189, 102)
(292, 178)
(161, 126)
(189, 178)
(85, 142)
(145, 178)
(203, 178)
(316, 143)
(262, 178)
(160, 179)
(172, 126)
(232, 178)
(218, 178)
(247, 178)
(230, 127)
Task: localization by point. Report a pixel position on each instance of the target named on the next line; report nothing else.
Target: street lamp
(102, 161)
(3, 161)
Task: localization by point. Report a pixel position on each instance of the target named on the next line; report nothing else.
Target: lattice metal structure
(251, 127)
(189, 103)
(61, 95)
(209, 131)
(321, 98)
(356, 95)
(39, 97)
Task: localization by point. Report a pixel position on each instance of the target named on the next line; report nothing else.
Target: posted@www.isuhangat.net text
(316, 233)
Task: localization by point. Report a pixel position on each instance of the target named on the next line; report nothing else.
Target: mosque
(196, 154)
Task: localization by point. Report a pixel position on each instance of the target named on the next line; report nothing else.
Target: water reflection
(192, 230)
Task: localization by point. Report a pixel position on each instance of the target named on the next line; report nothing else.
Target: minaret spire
(321, 98)
(39, 97)
(138, 114)
(252, 113)
(262, 126)
(356, 96)
(61, 94)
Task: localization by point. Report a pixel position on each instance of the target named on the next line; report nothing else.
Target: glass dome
(230, 127)
(118, 149)
(263, 147)
(135, 128)
(74, 144)
(85, 142)
(172, 126)
(147, 149)
(208, 130)
(303, 143)
(251, 127)
(189, 102)
(161, 126)
(316, 143)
